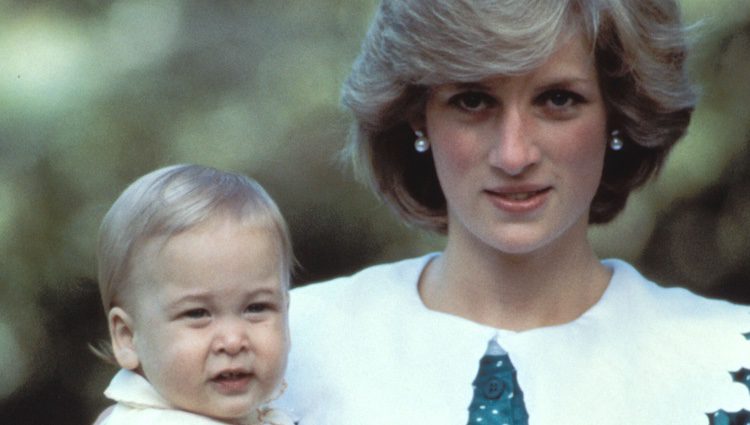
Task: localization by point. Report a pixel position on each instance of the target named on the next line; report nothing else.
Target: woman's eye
(558, 99)
(472, 101)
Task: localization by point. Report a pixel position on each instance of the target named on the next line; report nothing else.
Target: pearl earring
(421, 145)
(615, 142)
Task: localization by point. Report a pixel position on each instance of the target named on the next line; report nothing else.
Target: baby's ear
(122, 332)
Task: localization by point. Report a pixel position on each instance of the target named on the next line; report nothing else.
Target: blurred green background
(94, 93)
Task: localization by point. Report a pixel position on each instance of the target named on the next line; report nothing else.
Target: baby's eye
(196, 313)
(256, 308)
(472, 101)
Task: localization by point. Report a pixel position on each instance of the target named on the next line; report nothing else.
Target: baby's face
(211, 328)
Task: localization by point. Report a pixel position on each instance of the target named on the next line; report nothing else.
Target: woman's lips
(518, 200)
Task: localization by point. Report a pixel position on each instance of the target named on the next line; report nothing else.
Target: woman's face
(520, 158)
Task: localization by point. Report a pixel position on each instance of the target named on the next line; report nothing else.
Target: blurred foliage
(94, 93)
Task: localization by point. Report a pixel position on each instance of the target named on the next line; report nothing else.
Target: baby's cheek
(183, 358)
(274, 355)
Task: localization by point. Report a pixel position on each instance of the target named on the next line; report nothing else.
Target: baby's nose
(231, 337)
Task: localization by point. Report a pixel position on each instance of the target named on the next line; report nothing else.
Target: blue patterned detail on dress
(498, 399)
(734, 418)
(725, 418)
(742, 376)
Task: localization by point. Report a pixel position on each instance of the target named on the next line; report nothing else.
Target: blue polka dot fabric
(742, 417)
(498, 399)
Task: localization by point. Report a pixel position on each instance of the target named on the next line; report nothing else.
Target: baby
(193, 268)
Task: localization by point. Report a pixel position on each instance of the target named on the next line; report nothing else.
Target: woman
(510, 126)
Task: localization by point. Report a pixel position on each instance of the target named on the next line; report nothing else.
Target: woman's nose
(231, 336)
(513, 148)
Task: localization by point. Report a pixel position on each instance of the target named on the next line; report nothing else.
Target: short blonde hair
(413, 45)
(174, 199)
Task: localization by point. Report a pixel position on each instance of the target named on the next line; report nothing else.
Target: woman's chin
(519, 243)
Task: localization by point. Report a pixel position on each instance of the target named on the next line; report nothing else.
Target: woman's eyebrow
(472, 85)
(567, 82)
(566, 72)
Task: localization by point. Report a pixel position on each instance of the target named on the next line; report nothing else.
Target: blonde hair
(171, 200)
(413, 45)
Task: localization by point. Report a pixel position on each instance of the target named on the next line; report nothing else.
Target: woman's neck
(551, 286)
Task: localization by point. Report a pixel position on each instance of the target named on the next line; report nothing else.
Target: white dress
(365, 350)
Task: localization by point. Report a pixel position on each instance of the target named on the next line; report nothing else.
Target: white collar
(131, 389)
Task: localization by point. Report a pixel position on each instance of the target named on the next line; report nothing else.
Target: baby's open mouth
(232, 382)
(231, 376)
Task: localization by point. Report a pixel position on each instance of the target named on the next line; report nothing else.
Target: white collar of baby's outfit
(131, 389)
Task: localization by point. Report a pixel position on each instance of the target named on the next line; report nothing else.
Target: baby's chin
(230, 417)
(235, 414)
(231, 409)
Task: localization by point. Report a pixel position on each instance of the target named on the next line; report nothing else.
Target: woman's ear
(417, 124)
(122, 332)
